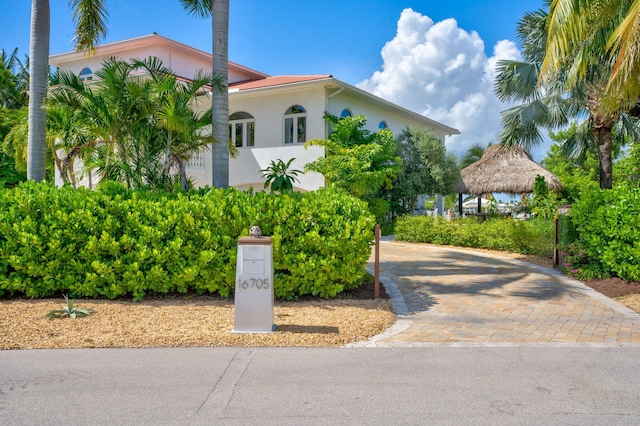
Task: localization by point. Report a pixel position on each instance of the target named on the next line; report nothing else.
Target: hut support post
(460, 204)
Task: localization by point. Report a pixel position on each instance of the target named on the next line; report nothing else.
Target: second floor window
(295, 125)
(242, 129)
(86, 74)
(346, 113)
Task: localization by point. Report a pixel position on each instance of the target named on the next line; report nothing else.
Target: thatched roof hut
(505, 169)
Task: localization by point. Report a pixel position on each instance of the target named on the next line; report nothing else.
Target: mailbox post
(254, 311)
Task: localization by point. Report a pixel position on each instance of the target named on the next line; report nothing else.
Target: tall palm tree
(553, 101)
(39, 74)
(89, 17)
(219, 11)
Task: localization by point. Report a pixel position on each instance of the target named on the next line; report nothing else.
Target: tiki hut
(504, 169)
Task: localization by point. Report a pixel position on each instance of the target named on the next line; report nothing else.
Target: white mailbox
(254, 286)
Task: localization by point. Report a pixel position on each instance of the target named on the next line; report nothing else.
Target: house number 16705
(258, 283)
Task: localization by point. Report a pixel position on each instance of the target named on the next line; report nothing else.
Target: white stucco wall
(268, 109)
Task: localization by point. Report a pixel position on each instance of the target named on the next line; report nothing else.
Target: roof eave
(338, 83)
(449, 131)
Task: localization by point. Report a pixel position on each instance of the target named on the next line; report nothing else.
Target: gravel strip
(184, 322)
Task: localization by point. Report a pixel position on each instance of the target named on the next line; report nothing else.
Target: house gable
(185, 61)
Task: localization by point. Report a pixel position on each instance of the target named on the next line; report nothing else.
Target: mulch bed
(614, 287)
(365, 292)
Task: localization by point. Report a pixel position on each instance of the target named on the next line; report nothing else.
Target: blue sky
(344, 38)
(336, 37)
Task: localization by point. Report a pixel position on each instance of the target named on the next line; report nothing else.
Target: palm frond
(199, 8)
(89, 17)
(516, 81)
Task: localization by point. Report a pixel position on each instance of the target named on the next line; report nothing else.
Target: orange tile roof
(279, 80)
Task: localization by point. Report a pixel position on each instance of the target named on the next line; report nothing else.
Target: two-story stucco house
(271, 117)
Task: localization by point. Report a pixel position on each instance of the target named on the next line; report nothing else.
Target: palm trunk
(603, 138)
(183, 174)
(39, 80)
(220, 102)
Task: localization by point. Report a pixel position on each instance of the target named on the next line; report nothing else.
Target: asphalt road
(520, 385)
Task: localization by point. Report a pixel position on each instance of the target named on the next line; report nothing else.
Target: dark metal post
(556, 260)
(377, 263)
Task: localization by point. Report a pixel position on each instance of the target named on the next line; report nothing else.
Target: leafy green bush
(608, 226)
(115, 242)
(527, 237)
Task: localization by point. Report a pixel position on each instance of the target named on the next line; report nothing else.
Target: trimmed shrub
(115, 242)
(527, 237)
(608, 226)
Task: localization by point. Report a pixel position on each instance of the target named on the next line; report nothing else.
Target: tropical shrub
(527, 237)
(280, 177)
(608, 227)
(117, 242)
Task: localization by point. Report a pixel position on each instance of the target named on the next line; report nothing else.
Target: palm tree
(599, 29)
(14, 87)
(182, 127)
(219, 11)
(89, 18)
(626, 41)
(131, 129)
(115, 112)
(553, 101)
(473, 154)
(14, 81)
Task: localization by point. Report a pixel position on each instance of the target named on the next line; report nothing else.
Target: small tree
(427, 169)
(358, 161)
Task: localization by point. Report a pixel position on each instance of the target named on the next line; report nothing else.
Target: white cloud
(442, 72)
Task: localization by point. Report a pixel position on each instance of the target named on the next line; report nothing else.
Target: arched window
(295, 125)
(346, 113)
(242, 129)
(383, 125)
(86, 74)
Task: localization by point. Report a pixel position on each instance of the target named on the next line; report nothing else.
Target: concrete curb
(403, 319)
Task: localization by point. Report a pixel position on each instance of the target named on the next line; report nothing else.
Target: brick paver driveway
(456, 297)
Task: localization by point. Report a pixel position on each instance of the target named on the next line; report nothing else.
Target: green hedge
(527, 237)
(119, 243)
(608, 226)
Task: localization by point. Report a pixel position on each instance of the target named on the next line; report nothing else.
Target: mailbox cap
(261, 241)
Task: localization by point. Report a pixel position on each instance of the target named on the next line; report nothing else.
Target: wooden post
(377, 263)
